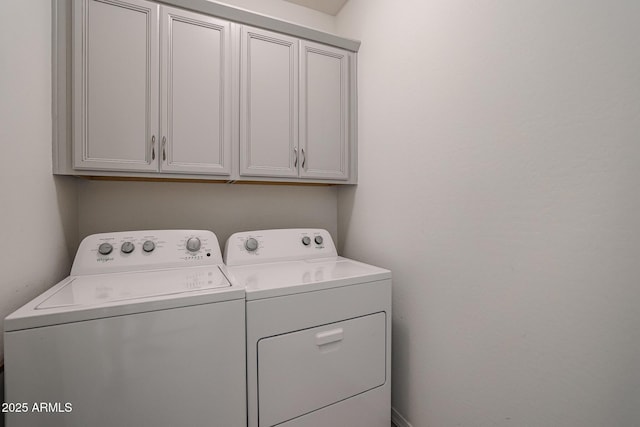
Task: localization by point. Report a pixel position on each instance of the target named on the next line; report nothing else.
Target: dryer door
(300, 372)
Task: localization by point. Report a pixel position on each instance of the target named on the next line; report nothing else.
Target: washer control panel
(252, 247)
(146, 250)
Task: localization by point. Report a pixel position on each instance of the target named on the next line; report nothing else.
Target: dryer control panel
(145, 250)
(254, 247)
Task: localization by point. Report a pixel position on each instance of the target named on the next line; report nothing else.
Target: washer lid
(292, 277)
(79, 298)
(105, 288)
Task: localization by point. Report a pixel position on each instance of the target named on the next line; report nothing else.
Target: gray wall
(499, 174)
(225, 209)
(37, 210)
(288, 12)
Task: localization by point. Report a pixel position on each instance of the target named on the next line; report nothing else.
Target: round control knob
(193, 244)
(306, 240)
(319, 240)
(251, 244)
(105, 248)
(148, 246)
(127, 247)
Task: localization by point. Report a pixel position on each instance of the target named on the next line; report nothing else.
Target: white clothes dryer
(146, 331)
(318, 331)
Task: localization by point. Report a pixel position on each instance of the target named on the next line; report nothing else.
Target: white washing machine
(318, 331)
(146, 331)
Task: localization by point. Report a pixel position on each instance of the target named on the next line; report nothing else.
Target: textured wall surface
(37, 211)
(222, 208)
(499, 170)
(288, 12)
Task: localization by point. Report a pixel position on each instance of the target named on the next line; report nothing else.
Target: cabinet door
(196, 93)
(324, 112)
(268, 104)
(115, 85)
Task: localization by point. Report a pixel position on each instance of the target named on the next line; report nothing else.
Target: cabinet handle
(164, 148)
(304, 159)
(295, 159)
(153, 147)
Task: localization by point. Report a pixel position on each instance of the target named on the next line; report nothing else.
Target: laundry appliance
(146, 331)
(318, 331)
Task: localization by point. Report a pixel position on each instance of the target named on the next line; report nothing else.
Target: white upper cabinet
(324, 112)
(122, 92)
(195, 93)
(143, 89)
(268, 104)
(294, 108)
(115, 85)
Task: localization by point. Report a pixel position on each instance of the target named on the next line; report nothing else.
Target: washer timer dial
(193, 244)
(251, 244)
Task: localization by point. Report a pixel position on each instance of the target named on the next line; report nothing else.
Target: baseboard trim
(398, 420)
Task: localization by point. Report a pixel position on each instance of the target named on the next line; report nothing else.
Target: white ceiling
(332, 7)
